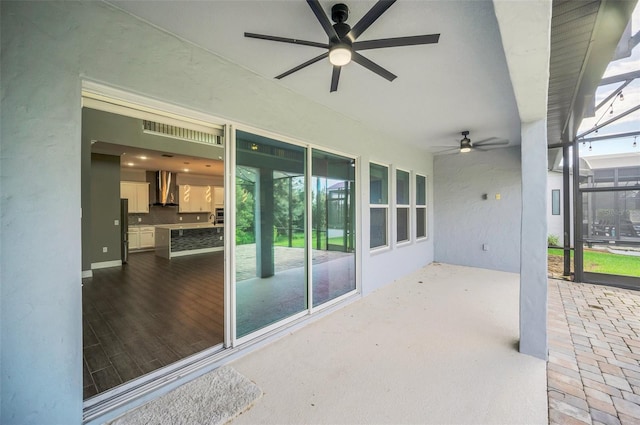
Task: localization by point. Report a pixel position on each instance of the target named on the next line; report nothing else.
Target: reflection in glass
(333, 224)
(402, 187)
(421, 206)
(403, 224)
(378, 227)
(270, 213)
(611, 232)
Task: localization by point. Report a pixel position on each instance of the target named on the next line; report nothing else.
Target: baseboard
(87, 273)
(106, 264)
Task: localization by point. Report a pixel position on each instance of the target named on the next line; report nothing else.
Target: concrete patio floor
(594, 352)
(438, 346)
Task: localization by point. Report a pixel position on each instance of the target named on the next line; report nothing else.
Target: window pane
(403, 225)
(378, 184)
(402, 187)
(271, 282)
(555, 202)
(333, 224)
(421, 190)
(378, 231)
(421, 222)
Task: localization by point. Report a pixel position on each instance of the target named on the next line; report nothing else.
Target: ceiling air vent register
(166, 130)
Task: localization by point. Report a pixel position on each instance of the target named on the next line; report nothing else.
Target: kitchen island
(177, 240)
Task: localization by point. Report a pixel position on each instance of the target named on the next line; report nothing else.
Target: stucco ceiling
(461, 83)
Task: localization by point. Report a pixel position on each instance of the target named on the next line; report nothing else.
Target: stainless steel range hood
(166, 189)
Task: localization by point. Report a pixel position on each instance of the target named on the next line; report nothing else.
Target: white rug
(212, 399)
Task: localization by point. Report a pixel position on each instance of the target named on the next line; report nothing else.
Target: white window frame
(406, 206)
(422, 206)
(384, 207)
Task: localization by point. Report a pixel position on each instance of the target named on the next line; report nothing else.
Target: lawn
(605, 262)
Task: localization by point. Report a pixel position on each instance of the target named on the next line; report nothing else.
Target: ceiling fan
(466, 145)
(342, 47)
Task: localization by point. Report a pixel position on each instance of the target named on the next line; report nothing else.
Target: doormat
(212, 399)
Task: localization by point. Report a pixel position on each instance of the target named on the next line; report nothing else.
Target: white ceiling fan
(466, 145)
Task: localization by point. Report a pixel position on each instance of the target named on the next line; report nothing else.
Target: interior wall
(105, 208)
(48, 48)
(470, 230)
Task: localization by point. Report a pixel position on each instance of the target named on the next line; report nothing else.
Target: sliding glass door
(333, 223)
(277, 243)
(271, 282)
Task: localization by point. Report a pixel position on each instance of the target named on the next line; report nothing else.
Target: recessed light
(130, 164)
(208, 165)
(142, 157)
(186, 170)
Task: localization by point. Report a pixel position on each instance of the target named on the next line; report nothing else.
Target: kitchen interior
(153, 245)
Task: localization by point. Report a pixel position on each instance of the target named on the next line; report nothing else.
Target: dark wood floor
(147, 314)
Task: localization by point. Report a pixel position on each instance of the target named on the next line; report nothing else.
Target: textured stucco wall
(464, 222)
(555, 223)
(47, 49)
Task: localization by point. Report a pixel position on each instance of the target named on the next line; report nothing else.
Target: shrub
(553, 240)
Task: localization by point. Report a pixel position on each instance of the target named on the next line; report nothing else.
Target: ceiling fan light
(465, 149)
(340, 55)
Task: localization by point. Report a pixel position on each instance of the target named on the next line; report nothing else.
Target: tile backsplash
(168, 215)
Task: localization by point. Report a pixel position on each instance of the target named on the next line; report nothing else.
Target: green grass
(605, 262)
(298, 241)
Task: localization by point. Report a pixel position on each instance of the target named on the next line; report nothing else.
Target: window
(402, 205)
(555, 202)
(421, 207)
(378, 205)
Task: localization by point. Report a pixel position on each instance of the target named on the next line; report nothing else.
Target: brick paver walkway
(594, 351)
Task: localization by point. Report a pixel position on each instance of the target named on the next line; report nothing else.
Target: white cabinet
(134, 238)
(218, 197)
(138, 195)
(141, 237)
(194, 199)
(147, 237)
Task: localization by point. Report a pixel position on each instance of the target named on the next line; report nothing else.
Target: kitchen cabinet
(141, 237)
(194, 199)
(218, 197)
(138, 195)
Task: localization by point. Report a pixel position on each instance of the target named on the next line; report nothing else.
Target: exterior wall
(555, 223)
(47, 49)
(465, 221)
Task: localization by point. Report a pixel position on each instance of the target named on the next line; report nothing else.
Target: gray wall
(465, 221)
(105, 208)
(47, 48)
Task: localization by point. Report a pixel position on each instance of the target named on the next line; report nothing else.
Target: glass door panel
(333, 224)
(611, 232)
(270, 240)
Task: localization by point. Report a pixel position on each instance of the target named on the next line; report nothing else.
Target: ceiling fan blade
(371, 66)
(369, 18)
(396, 42)
(299, 67)
(334, 78)
(447, 151)
(286, 40)
(494, 141)
(322, 18)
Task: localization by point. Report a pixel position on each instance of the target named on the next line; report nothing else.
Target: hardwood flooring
(147, 314)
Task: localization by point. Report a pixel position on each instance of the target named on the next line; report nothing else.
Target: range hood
(165, 189)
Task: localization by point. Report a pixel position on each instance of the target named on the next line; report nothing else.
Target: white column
(533, 237)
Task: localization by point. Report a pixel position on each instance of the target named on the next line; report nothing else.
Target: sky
(631, 98)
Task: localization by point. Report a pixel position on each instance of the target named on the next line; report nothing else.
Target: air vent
(166, 130)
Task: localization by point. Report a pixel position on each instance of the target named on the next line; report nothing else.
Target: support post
(265, 265)
(566, 209)
(533, 245)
